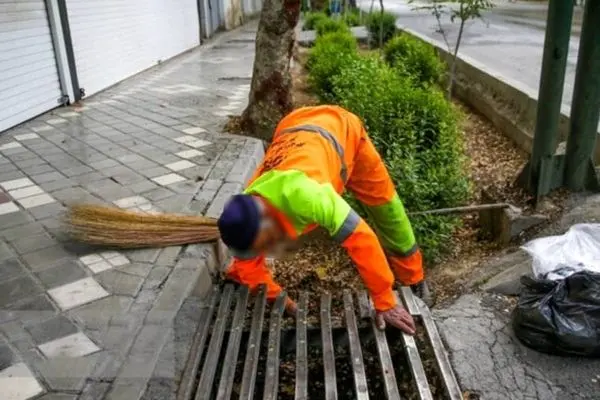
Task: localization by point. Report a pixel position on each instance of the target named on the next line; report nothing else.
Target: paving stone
(32, 243)
(32, 310)
(47, 177)
(137, 269)
(15, 219)
(31, 356)
(17, 289)
(143, 186)
(19, 383)
(7, 357)
(156, 171)
(13, 330)
(65, 373)
(168, 179)
(157, 277)
(8, 207)
(98, 314)
(38, 169)
(127, 389)
(168, 256)
(74, 195)
(80, 170)
(73, 345)
(212, 185)
(87, 178)
(223, 195)
(175, 290)
(54, 328)
(58, 396)
(158, 194)
(46, 258)
(7, 175)
(61, 274)
(117, 338)
(143, 255)
(11, 268)
(109, 365)
(94, 391)
(77, 293)
(107, 163)
(36, 201)
(29, 229)
(48, 210)
(56, 185)
(119, 283)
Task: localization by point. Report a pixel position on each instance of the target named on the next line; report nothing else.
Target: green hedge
(378, 21)
(352, 18)
(329, 25)
(414, 58)
(312, 18)
(416, 132)
(327, 57)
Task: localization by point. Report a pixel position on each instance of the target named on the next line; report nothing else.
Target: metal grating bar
(385, 359)
(191, 371)
(214, 348)
(409, 301)
(328, 353)
(272, 372)
(233, 347)
(301, 349)
(441, 356)
(415, 363)
(364, 306)
(253, 352)
(358, 366)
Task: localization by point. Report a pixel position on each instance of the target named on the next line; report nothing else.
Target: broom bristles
(115, 227)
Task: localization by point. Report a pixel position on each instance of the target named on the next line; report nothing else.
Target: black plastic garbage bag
(560, 317)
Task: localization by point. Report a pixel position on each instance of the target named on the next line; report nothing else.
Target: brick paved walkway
(81, 324)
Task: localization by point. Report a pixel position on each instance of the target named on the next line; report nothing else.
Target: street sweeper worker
(316, 153)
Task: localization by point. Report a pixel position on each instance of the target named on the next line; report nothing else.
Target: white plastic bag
(556, 257)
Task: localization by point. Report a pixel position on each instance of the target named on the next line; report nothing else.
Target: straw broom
(115, 227)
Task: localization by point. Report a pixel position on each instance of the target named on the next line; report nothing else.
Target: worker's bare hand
(397, 317)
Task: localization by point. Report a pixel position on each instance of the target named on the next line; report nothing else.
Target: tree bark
(271, 90)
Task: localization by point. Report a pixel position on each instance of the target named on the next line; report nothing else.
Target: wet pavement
(78, 323)
(509, 39)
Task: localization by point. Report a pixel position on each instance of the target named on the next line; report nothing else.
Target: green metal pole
(585, 107)
(556, 48)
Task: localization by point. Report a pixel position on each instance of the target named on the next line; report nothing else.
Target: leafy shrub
(414, 57)
(416, 132)
(377, 22)
(331, 25)
(352, 18)
(327, 57)
(311, 19)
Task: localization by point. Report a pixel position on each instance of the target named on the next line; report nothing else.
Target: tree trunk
(271, 90)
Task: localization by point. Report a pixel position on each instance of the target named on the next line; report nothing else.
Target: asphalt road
(509, 39)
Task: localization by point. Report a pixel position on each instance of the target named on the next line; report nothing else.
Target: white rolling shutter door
(29, 83)
(115, 39)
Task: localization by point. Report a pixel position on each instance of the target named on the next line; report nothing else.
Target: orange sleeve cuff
(365, 251)
(253, 273)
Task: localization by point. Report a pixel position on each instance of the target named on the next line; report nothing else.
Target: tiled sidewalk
(82, 323)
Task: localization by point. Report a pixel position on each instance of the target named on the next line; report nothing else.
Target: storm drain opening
(248, 349)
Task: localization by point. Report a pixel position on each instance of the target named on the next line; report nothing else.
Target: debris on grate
(243, 350)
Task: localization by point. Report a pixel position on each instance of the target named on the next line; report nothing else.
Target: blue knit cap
(239, 222)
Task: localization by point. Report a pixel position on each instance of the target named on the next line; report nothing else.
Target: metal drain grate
(232, 352)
